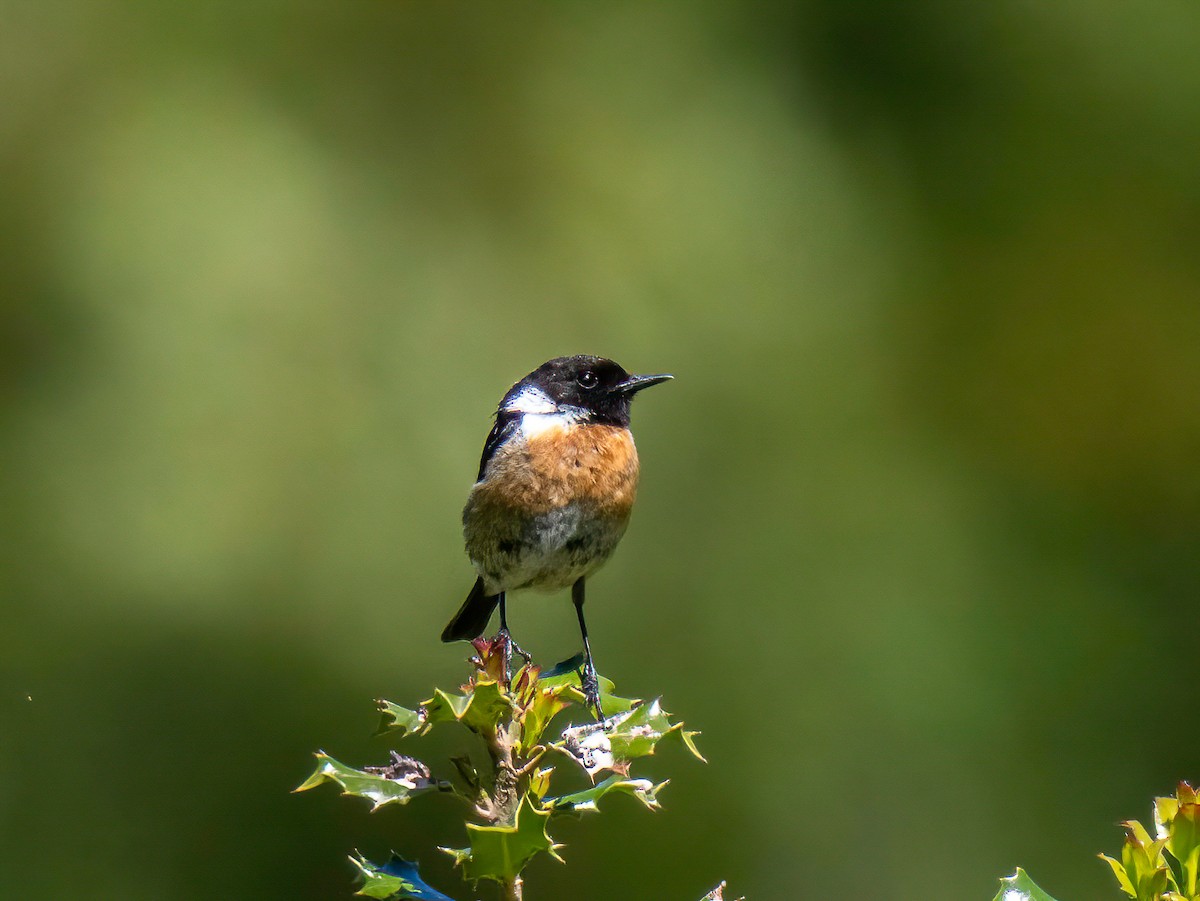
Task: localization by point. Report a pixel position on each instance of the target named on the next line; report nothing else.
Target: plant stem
(506, 793)
(506, 797)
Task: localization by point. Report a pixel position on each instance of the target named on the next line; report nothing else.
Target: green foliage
(395, 783)
(1019, 887)
(397, 879)
(1178, 820)
(508, 800)
(501, 852)
(622, 738)
(642, 789)
(1165, 867)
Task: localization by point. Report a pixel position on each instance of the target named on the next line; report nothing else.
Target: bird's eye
(588, 380)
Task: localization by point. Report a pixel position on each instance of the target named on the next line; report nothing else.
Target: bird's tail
(472, 617)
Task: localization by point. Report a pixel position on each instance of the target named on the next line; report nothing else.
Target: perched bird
(555, 489)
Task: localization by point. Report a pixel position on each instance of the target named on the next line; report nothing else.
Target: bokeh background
(917, 540)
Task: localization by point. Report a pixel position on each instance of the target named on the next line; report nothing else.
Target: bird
(554, 493)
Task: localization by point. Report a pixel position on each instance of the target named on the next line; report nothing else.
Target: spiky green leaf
(397, 719)
(1019, 887)
(396, 880)
(500, 853)
(481, 709)
(394, 784)
(611, 745)
(642, 789)
(610, 704)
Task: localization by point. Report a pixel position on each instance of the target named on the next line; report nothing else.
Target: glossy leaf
(640, 732)
(1019, 887)
(511, 719)
(385, 785)
(401, 720)
(620, 739)
(481, 709)
(642, 789)
(610, 704)
(397, 879)
(501, 852)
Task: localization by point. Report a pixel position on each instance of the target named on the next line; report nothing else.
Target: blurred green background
(917, 540)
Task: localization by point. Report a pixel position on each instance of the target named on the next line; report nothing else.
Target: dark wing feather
(472, 617)
(506, 425)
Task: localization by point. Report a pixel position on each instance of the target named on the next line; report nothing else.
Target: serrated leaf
(500, 853)
(394, 718)
(1019, 887)
(397, 879)
(489, 705)
(481, 709)
(644, 728)
(396, 786)
(376, 883)
(642, 789)
(568, 678)
(444, 707)
(611, 745)
(637, 734)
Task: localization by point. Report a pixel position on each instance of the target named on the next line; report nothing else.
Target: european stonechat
(554, 493)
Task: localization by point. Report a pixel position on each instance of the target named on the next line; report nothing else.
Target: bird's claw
(589, 682)
(511, 647)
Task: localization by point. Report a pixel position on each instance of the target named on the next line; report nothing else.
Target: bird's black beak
(636, 383)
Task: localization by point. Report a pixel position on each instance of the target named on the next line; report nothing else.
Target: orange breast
(596, 464)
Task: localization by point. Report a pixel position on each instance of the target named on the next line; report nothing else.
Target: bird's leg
(590, 682)
(509, 645)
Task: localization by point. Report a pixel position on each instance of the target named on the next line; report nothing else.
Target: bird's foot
(510, 648)
(590, 684)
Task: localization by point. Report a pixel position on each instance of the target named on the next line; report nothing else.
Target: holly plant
(1165, 867)
(508, 787)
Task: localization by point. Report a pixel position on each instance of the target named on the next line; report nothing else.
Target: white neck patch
(530, 400)
(533, 424)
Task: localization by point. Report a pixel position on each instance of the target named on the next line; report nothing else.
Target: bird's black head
(596, 389)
